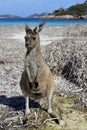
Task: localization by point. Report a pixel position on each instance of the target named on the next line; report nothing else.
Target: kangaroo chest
(31, 63)
(33, 69)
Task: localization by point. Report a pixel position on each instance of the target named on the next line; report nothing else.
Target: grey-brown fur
(36, 80)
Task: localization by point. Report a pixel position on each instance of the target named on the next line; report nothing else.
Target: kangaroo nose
(26, 44)
(36, 84)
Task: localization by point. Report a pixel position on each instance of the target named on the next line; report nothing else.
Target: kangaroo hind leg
(27, 110)
(49, 102)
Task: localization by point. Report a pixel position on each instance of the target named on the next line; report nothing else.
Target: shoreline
(47, 36)
(49, 17)
(36, 21)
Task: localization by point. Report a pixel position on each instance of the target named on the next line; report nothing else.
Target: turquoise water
(35, 21)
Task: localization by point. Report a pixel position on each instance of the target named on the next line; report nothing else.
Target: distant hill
(9, 16)
(39, 15)
(77, 10)
(34, 16)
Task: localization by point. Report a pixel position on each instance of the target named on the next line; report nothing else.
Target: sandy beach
(12, 46)
(60, 45)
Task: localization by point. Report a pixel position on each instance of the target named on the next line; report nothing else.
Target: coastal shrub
(68, 58)
(76, 10)
(60, 11)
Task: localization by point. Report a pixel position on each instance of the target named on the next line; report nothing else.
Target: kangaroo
(36, 80)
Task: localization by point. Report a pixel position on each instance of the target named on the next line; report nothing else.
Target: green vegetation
(76, 10)
(59, 12)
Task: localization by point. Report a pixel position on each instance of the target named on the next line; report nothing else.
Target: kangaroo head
(32, 36)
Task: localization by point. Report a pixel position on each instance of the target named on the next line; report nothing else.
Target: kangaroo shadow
(16, 102)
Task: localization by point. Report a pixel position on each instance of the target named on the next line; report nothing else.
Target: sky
(28, 7)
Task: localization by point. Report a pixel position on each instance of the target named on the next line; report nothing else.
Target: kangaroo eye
(34, 38)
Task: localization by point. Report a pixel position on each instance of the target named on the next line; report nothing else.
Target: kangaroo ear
(28, 30)
(39, 27)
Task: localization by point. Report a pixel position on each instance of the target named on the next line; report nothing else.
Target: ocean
(35, 21)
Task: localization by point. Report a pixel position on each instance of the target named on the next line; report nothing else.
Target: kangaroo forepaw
(49, 110)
